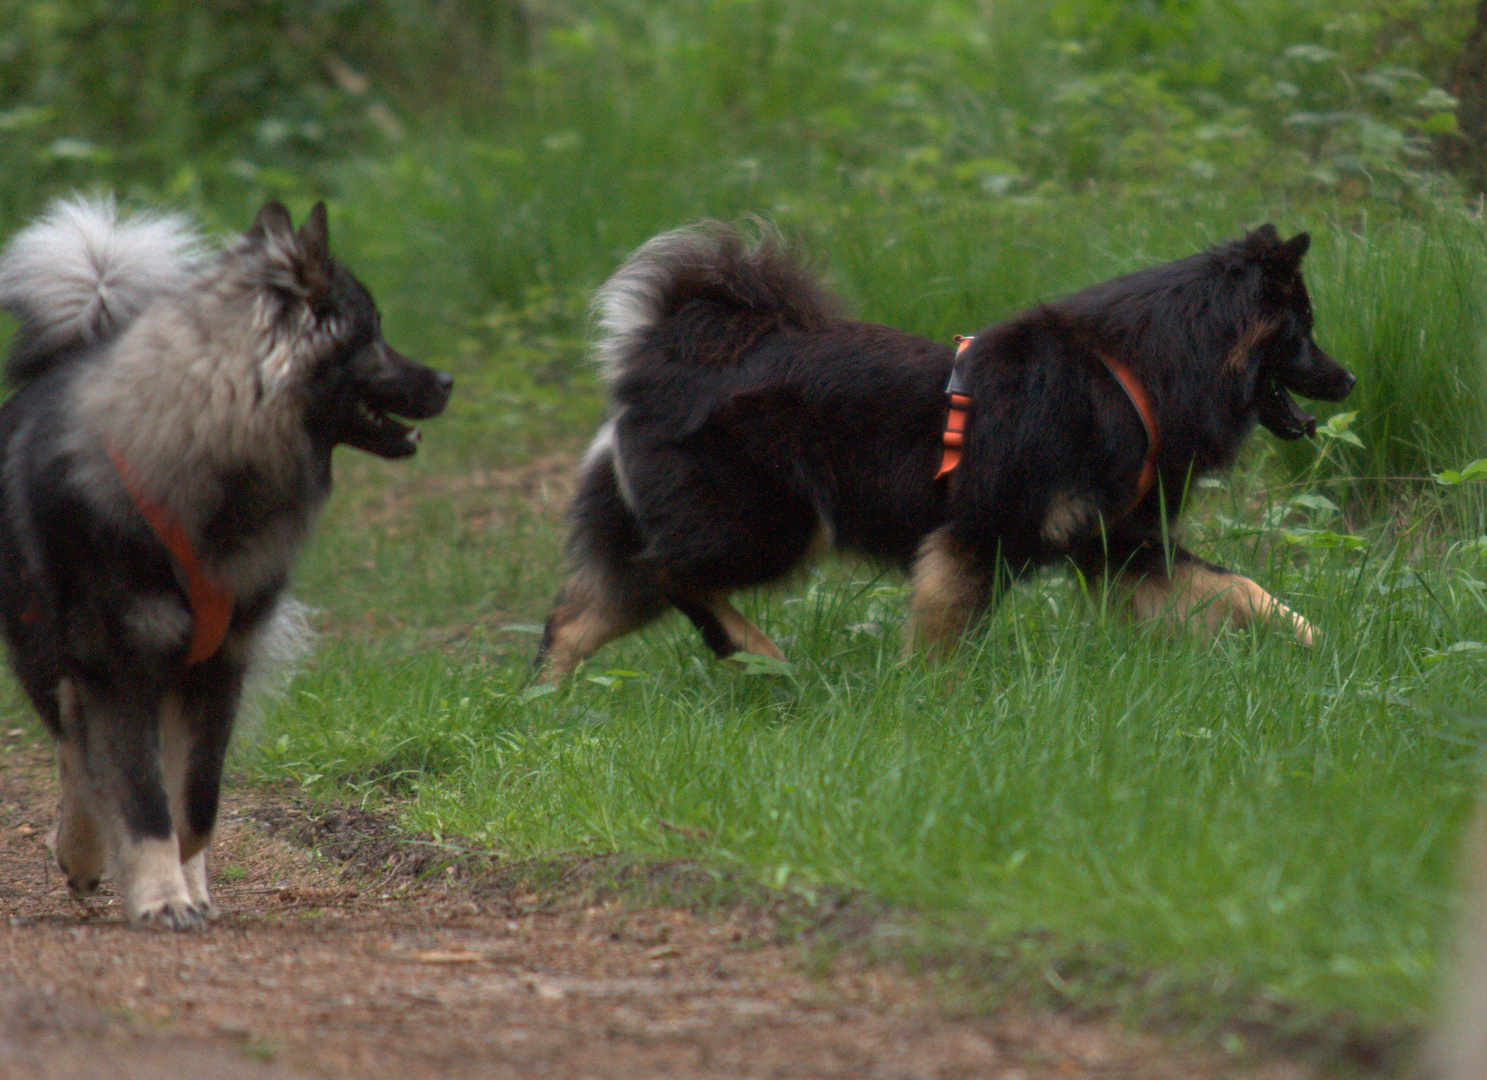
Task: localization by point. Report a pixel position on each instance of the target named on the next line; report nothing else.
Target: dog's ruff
(164, 454)
(750, 420)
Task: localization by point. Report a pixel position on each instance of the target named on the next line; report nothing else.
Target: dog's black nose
(446, 381)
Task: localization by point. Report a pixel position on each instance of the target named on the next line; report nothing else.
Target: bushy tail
(80, 273)
(709, 272)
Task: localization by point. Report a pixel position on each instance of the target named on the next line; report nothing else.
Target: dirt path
(309, 976)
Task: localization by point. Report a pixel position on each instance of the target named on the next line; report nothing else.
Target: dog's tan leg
(1210, 598)
(745, 636)
(948, 594)
(176, 745)
(152, 882)
(76, 843)
(194, 870)
(586, 617)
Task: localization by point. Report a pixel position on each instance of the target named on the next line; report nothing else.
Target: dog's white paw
(153, 883)
(172, 915)
(194, 870)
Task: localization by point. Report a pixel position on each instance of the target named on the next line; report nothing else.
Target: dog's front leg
(195, 728)
(949, 592)
(128, 800)
(1196, 592)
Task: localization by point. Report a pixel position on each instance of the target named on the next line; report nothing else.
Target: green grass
(1242, 813)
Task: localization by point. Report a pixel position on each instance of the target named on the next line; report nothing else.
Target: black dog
(752, 425)
(162, 459)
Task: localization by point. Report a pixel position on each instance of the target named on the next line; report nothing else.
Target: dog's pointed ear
(273, 218)
(1288, 255)
(1279, 256)
(314, 267)
(314, 235)
(1261, 242)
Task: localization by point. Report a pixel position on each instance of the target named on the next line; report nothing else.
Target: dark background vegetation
(193, 99)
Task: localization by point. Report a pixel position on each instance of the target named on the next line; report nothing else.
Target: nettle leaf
(1435, 656)
(1441, 123)
(1475, 471)
(1318, 503)
(763, 665)
(1323, 539)
(1436, 100)
(1337, 427)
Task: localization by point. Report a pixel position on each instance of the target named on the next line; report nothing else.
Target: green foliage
(177, 96)
(904, 99)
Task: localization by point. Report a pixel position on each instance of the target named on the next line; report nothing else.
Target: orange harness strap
(955, 423)
(960, 403)
(1141, 402)
(211, 602)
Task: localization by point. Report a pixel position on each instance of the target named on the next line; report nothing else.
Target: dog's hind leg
(1208, 596)
(591, 612)
(725, 630)
(949, 591)
(76, 844)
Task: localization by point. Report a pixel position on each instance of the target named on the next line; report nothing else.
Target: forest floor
(340, 955)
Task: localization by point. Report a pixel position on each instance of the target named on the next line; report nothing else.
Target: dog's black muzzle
(387, 382)
(1309, 372)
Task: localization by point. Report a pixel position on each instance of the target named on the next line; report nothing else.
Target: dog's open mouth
(1308, 371)
(404, 388)
(369, 428)
(1278, 411)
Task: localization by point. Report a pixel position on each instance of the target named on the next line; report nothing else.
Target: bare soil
(337, 958)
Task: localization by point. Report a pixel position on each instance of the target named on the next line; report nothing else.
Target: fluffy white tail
(80, 273)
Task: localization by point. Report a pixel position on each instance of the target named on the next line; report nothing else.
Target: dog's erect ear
(1288, 255)
(314, 271)
(273, 218)
(1278, 256)
(1262, 240)
(314, 235)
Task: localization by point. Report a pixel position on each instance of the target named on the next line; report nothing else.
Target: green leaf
(1337, 427)
(1441, 123)
(1475, 471)
(1314, 54)
(1437, 100)
(1322, 539)
(1435, 656)
(1319, 503)
(763, 665)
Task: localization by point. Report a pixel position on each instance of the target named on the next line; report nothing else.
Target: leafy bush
(167, 94)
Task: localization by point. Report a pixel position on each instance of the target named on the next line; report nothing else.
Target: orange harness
(211, 602)
(960, 403)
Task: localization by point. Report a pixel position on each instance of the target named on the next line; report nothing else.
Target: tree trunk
(1466, 153)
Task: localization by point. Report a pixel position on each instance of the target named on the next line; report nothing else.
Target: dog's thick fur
(752, 425)
(163, 389)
